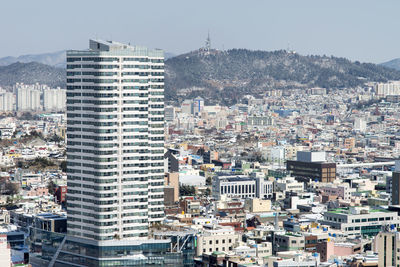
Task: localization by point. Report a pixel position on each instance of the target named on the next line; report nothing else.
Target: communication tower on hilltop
(289, 50)
(206, 49)
(208, 43)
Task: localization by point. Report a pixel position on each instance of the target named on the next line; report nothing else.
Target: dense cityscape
(147, 146)
(102, 174)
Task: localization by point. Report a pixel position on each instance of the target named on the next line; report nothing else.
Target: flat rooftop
(347, 211)
(113, 48)
(238, 179)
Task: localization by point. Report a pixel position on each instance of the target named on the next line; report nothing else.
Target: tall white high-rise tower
(115, 140)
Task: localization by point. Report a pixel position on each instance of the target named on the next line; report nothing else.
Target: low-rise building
(241, 186)
(288, 184)
(343, 191)
(328, 249)
(288, 241)
(258, 205)
(216, 239)
(360, 221)
(261, 250)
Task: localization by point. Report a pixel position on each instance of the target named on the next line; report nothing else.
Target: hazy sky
(365, 30)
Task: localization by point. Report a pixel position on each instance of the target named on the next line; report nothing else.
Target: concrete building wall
(172, 180)
(258, 205)
(341, 191)
(326, 250)
(289, 242)
(311, 156)
(386, 244)
(216, 240)
(5, 252)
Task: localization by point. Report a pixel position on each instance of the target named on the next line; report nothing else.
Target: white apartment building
(7, 101)
(115, 131)
(385, 89)
(22, 98)
(28, 99)
(54, 99)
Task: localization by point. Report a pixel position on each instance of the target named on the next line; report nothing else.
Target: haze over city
(200, 134)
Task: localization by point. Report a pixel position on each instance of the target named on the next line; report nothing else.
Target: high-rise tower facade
(115, 140)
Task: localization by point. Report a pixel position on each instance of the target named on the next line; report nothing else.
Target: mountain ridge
(31, 73)
(226, 76)
(55, 59)
(229, 75)
(394, 64)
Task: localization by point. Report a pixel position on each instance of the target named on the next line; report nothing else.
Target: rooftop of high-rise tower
(97, 46)
(101, 45)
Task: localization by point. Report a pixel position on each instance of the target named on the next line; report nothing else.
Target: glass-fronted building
(55, 249)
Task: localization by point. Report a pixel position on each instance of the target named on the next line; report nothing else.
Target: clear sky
(364, 30)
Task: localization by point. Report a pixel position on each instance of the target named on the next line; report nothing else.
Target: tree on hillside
(187, 190)
(34, 133)
(12, 188)
(63, 166)
(42, 163)
(55, 138)
(51, 186)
